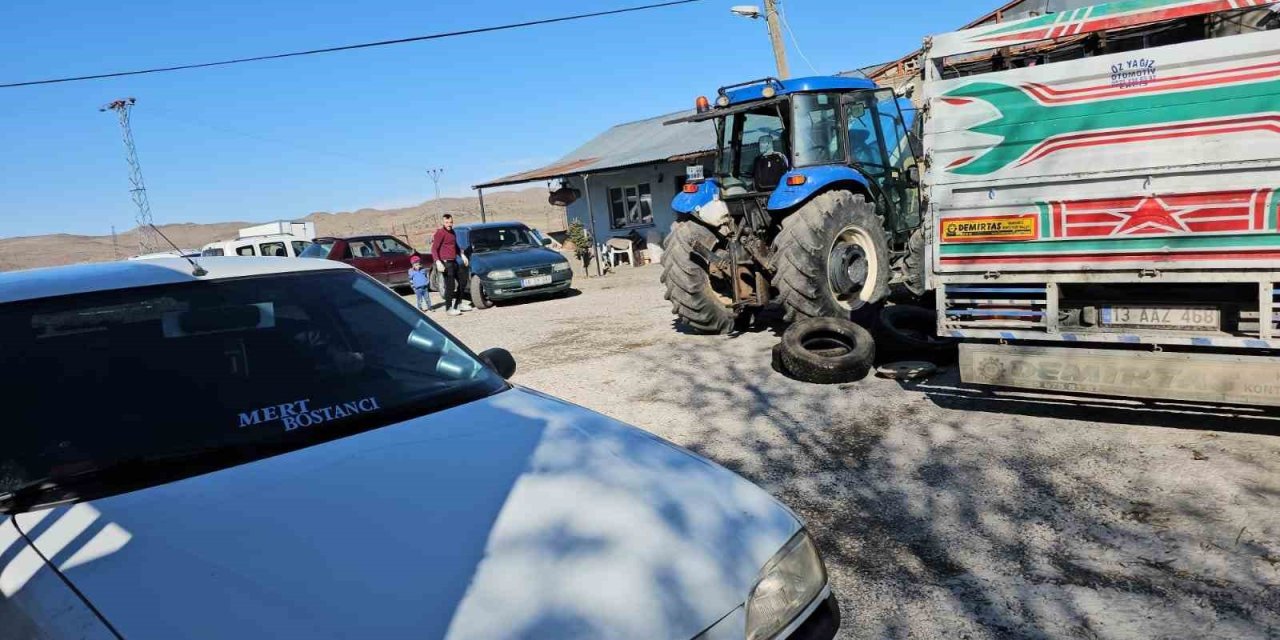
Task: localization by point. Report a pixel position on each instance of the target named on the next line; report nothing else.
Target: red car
(383, 257)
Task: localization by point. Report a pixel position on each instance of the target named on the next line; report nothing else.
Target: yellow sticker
(991, 228)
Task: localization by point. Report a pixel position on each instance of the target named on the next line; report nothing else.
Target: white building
(626, 177)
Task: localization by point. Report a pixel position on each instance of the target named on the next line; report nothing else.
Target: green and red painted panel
(1114, 15)
(1038, 120)
(1220, 225)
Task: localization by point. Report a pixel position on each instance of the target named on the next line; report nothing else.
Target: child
(419, 278)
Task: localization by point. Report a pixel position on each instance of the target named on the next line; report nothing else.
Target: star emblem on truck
(1152, 216)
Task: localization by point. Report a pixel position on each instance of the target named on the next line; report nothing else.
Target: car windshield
(320, 249)
(498, 238)
(95, 379)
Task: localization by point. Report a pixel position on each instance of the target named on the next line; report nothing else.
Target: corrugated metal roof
(625, 145)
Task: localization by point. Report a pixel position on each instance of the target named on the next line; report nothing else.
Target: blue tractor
(813, 202)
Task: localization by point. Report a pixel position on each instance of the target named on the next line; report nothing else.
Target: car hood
(514, 259)
(512, 517)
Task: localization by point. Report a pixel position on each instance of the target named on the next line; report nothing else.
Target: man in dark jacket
(449, 262)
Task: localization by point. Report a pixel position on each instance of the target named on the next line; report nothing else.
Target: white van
(278, 245)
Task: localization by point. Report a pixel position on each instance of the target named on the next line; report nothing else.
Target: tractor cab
(781, 142)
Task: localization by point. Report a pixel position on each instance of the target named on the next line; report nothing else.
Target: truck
(1088, 198)
(1102, 188)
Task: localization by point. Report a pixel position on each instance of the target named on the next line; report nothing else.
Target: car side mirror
(546, 242)
(913, 175)
(501, 360)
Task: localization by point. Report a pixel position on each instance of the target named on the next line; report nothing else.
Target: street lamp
(775, 30)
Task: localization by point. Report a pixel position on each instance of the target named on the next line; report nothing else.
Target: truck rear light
(689, 187)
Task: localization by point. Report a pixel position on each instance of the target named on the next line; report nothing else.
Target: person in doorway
(421, 282)
(449, 262)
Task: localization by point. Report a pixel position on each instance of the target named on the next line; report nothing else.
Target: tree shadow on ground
(973, 521)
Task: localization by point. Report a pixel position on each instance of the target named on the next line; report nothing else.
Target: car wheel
(478, 300)
(827, 351)
(435, 281)
(907, 332)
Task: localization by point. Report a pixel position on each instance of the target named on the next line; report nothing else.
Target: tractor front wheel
(703, 303)
(831, 258)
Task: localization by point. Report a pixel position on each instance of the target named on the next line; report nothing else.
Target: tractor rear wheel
(831, 258)
(702, 303)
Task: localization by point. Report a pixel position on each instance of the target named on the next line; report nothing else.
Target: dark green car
(509, 261)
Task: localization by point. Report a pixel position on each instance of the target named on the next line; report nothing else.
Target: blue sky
(281, 139)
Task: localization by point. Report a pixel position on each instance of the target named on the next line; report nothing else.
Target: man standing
(449, 261)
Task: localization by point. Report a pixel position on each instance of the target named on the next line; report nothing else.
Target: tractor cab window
(817, 129)
(753, 150)
(865, 140)
(880, 146)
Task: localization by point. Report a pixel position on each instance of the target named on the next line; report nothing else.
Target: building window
(630, 206)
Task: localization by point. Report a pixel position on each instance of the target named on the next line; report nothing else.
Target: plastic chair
(615, 248)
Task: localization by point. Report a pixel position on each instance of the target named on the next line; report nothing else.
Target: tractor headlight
(560, 266)
(501, 274)
(788, 583)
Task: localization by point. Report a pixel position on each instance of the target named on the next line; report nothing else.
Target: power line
(782, 14)
(350, 47)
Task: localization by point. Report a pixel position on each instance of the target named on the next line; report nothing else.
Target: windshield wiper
(124, 470)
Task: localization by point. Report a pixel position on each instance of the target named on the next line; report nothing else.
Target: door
(365, 258)
(880, 144)
(395, 259)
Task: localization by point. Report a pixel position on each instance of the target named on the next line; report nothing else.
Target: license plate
(1176, 318)
(693, 173)
(536, 281)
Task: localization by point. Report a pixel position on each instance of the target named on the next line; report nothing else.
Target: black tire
(689, 288)
(908, 332)
(827, 351)
(477, 295)
(913, 264)
(837, 225)
(435, 281)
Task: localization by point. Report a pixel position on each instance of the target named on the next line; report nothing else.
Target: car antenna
(196, 270)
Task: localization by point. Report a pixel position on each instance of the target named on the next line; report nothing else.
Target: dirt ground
(943, 511)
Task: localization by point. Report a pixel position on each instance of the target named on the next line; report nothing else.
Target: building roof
(106, 276)
(625, 145)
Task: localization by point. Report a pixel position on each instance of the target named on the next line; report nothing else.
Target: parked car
(383, 257)
(278, 245)
(358, 473)
(509, 261)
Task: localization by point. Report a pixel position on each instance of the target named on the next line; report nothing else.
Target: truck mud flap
(1195, 377)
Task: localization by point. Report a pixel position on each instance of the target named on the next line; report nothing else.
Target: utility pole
(775, 36)
(435, 180)
(147, 241)
(115, 243)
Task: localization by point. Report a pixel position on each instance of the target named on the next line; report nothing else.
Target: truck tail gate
(1196, 377)
(1167, 157)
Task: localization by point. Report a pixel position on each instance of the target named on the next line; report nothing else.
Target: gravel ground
(943, 511)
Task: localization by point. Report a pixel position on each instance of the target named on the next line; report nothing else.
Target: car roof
(755, 91)
(364, 237)
(491, 225)
(107, 276)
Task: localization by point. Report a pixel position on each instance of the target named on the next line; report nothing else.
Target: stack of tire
(834, 351)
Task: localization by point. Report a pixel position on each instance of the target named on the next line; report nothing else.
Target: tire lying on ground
(910, 332)
(827, 351)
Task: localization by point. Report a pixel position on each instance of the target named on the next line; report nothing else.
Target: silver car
(257, 448)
